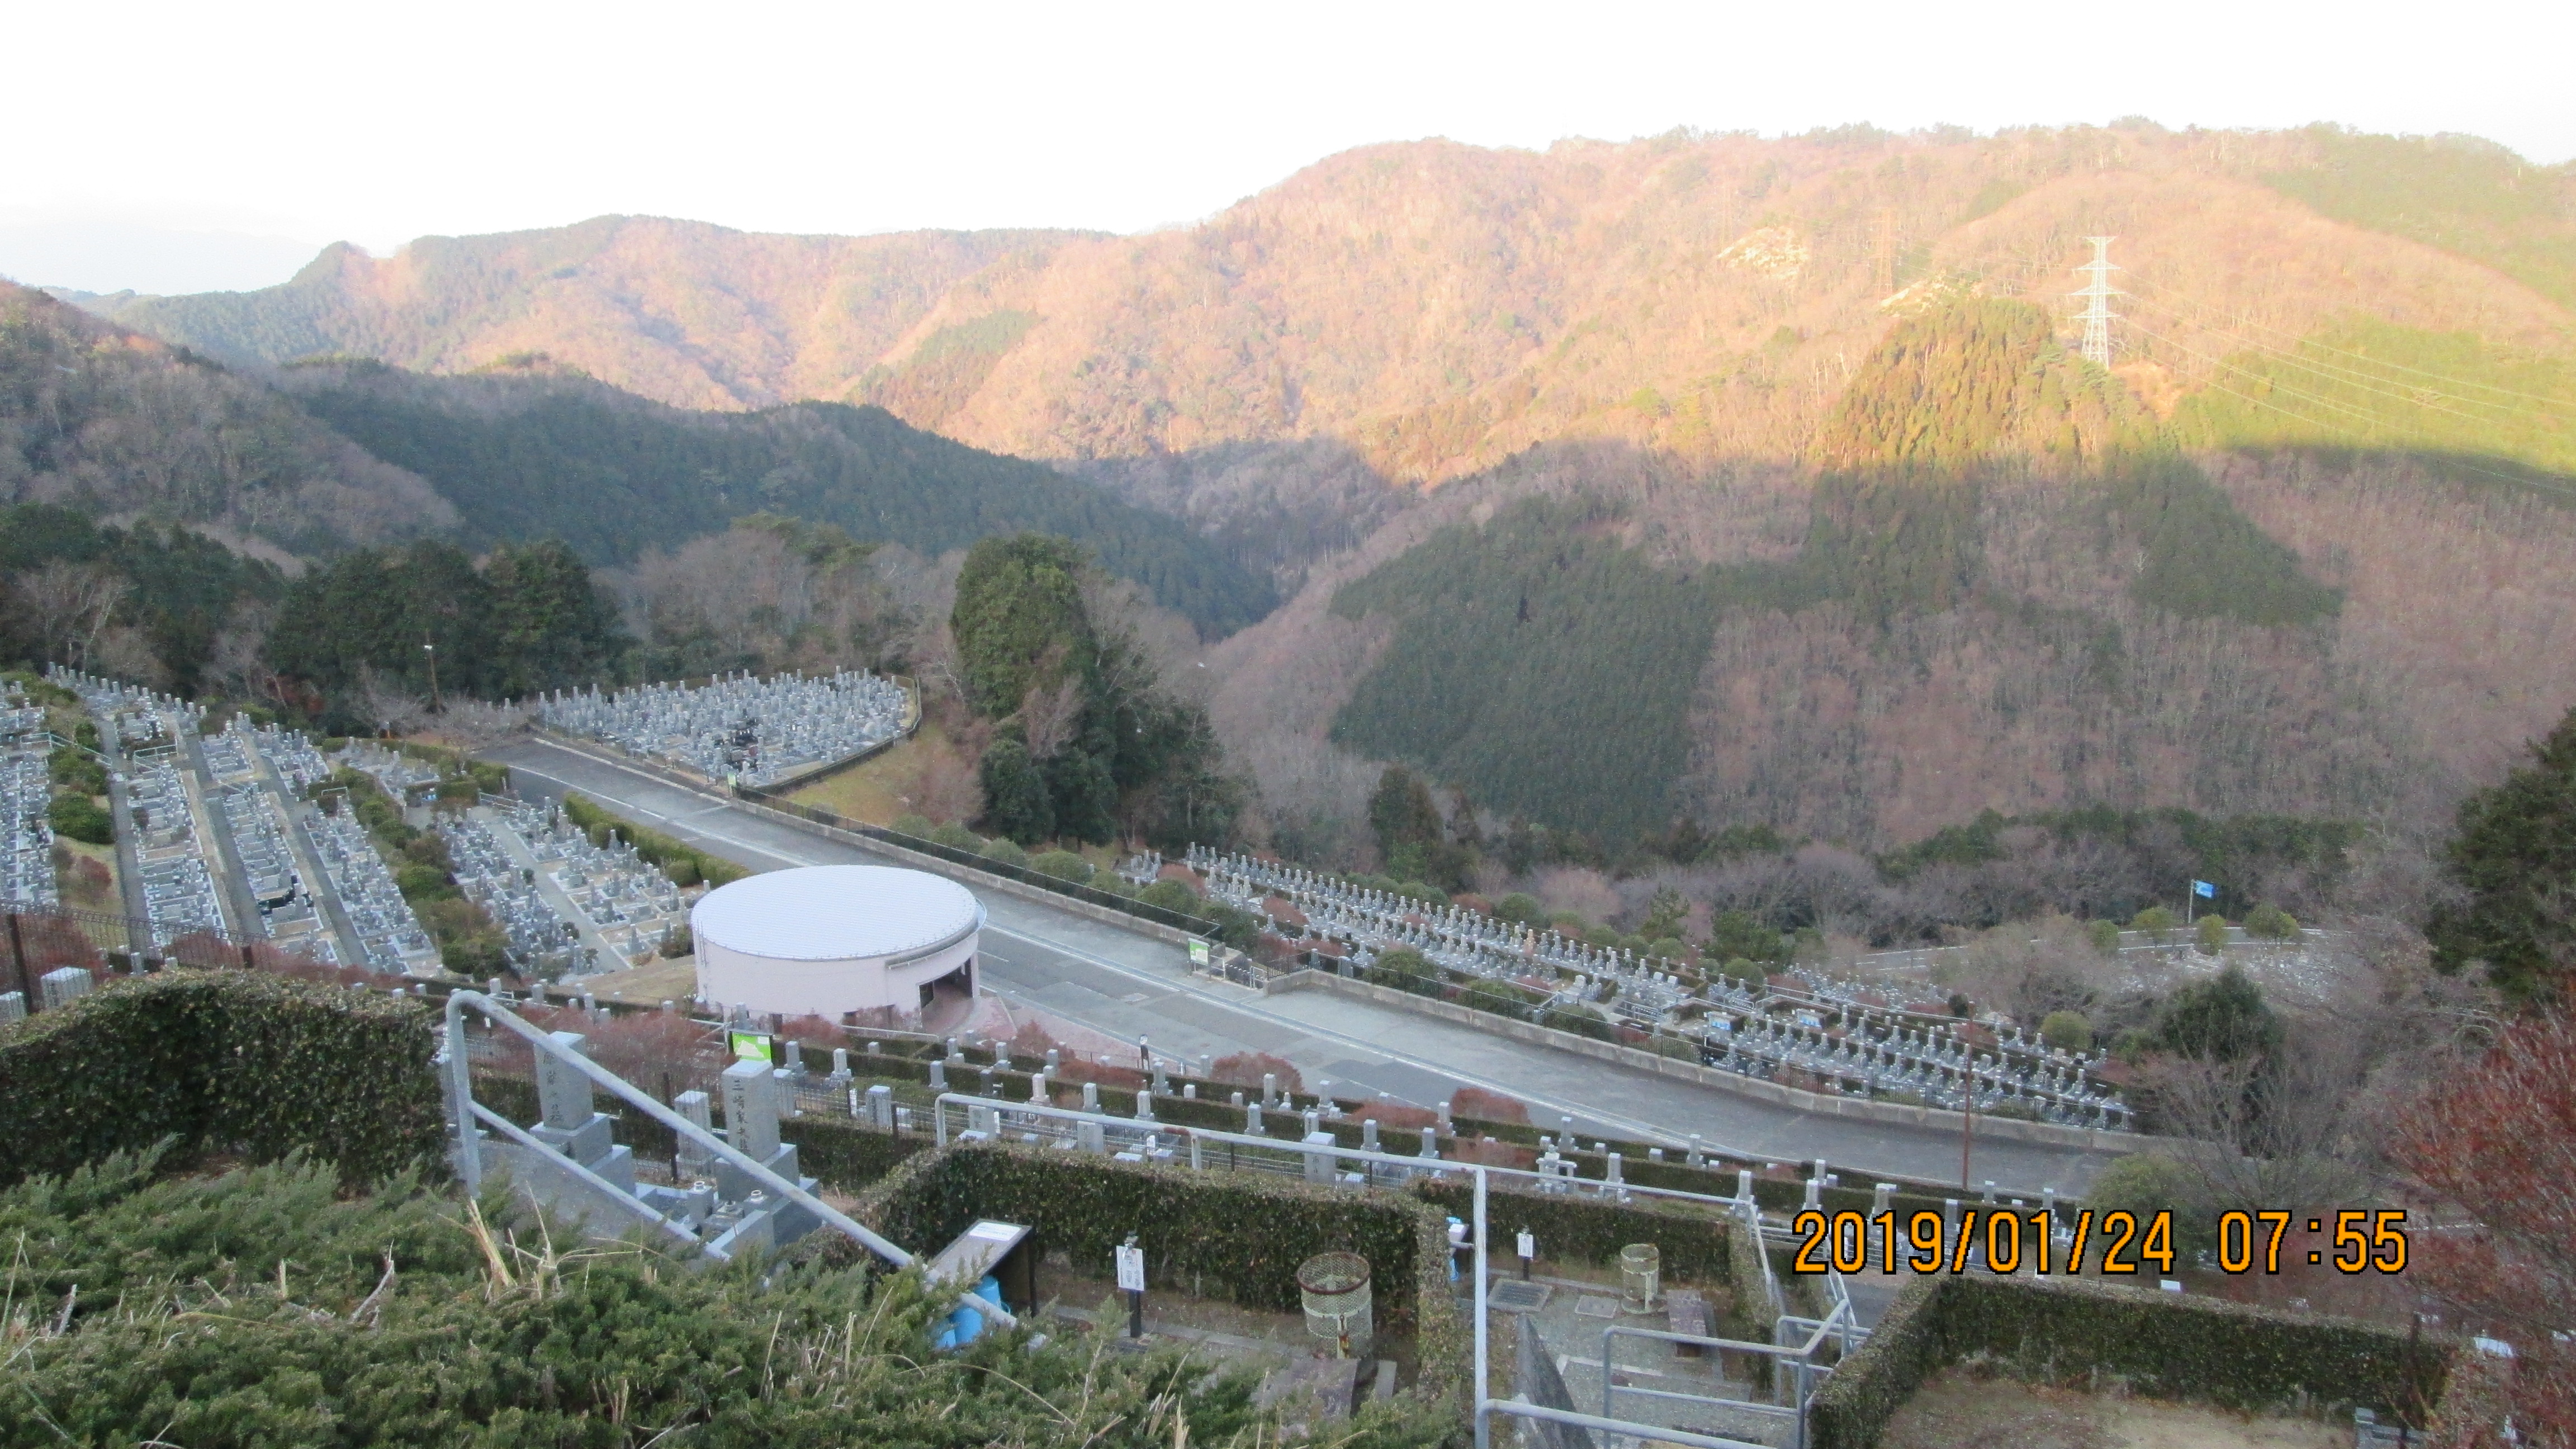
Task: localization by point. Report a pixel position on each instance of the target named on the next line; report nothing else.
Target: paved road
(1130, 985)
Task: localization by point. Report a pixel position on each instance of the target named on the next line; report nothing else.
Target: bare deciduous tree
(1049, 715)
(2498, 1139)
(71, 605)
(393, 709)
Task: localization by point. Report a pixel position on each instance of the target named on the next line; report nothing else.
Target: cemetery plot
(392, 769)
(740, 728)
(170, 855)
(388, 933)
(572, 907)
(26, 795)
(1831, 1033)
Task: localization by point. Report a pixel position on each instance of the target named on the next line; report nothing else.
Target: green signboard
(752, 1046)
(1198, 953)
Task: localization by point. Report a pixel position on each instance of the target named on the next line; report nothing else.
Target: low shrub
(1062, 865)
(78, 817)
(1484, 1105)
(256, 1308)
(2271, 923)
(651, 845)
(1245, 1069)
(2067, 1031)
(223, 1061)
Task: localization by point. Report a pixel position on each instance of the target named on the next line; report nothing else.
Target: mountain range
(1710, 476)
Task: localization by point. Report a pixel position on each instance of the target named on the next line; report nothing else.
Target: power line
(2338, 376)
(2021, 274)
(2555, 402)
(2369, 422)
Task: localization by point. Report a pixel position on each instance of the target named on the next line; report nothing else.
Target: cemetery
(1294, 1238)
(26, 802)
(1838, 1036)
(569, 907)
(740, 728)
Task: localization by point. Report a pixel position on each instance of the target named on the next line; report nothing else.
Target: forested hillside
(110, 422)
(525, 454)
(1751, 482)
(692, 314)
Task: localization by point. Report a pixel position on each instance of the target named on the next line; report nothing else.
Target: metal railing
(1140, 1139)
(464, 1110)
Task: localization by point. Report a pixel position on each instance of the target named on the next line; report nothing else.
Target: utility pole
(432, 651)
(2097, 293)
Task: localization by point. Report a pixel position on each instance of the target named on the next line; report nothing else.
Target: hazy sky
(138, 129)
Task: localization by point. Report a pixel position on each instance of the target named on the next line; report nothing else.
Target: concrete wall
(728, 978)
(2006, 1128)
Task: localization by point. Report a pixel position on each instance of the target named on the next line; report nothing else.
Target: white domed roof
(836, 912)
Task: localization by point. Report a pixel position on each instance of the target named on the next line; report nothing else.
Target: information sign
(1131, 1270)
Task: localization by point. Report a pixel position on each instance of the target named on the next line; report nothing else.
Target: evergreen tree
(1016, 803)
(2515, 860)
(1083, 796)
(1402, 813)
(2220, 1018)
(555, 627)
(1019, 619)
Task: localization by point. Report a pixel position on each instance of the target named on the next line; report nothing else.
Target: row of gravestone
(739, 727)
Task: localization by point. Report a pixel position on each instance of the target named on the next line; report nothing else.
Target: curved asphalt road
(1130, 985)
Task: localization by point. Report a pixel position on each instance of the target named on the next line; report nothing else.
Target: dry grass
(1958, 1410)
(880, 789)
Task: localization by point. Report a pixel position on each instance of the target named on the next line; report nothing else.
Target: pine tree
(2515, 858)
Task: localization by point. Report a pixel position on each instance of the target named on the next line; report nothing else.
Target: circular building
(833, 939)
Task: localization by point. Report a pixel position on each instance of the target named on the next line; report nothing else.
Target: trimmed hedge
(1694, 1244)
(652, 845)
(2193, 1349)
(224, 1061)
(1238, 1236)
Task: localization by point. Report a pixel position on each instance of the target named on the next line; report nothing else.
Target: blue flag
(2204, 890)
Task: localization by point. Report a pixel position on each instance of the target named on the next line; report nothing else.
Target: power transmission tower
(2097, 294)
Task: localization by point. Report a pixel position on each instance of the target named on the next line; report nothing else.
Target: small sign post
(1131, 1281)
(1528, 1245)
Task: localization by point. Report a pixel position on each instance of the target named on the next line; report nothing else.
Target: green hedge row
(2189, 1348)
(223, 1061)
(1693, 1242)
(1238, 1236)
(652, 845)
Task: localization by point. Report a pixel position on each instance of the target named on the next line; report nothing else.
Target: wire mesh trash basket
(1641, 1274)
(1335, 1288)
